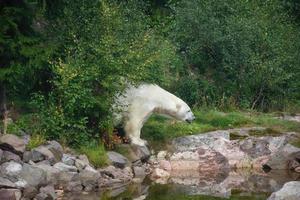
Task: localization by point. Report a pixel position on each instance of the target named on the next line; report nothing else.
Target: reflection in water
(191, 185)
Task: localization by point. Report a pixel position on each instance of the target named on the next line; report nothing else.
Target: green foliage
(96, 154)
(245, 52)
(35, 141)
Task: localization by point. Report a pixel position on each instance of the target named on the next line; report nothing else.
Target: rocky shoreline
(47, 172)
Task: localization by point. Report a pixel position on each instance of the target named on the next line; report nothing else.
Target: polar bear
(137, 104)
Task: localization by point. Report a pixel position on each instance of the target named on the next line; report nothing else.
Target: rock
(162, 155)
(5, 183)
(68, 159)
(52, 174)
(1, 154)
(90, 168)
(33, 175)
(255, 147)
(283, 157)
(80, 164)
(49, 191)
(289, 191)
(66, 168)
(8, 156)
(117, 159)
(114, 177)
(201, 159)
(30, 192)
(33, 155)
(12, 143)
(160, 173)
(74, 187)
(11, 170)
(56, 149)
(165, 165)
(193, 142)
(84, 158)
(47, 154)
(142, 152)
(10, 194)
(89, 179)
(65, 178)
(139, 172)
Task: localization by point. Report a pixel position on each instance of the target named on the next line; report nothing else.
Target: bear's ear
(178, 106)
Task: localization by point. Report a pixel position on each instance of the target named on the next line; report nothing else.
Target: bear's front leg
(133, 132)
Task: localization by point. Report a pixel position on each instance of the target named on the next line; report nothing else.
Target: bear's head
(184, 113)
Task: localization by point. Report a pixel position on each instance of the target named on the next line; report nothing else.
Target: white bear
(136, 105)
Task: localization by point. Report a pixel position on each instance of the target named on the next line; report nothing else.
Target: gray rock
(30, 192)
(66, 168)
(139, 172)
(10, 194)
(56, 149)
(66, 177)
(68, 159)
(8, 156)
(282, 158)
(52, 173)
(5, 183)
(33, 155)
(1, 153)
(12, 143)
(142, 152)
(193, 142)
(289, 191)
(114, 177)
(89, 179)
(80, 164)
(255, 147)
(49, 190)
(47, 154)
(33, 175)
(74, 187)
(84, 158)
(117, 159)
(43, 196)
(11, 170)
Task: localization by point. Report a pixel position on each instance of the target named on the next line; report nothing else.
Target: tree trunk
(3, 107)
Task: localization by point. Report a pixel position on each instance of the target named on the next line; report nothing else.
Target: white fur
(136, 105)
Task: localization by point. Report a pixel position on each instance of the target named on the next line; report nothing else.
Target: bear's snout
(189, 120)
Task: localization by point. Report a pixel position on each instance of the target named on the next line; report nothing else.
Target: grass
(159, 130)
(96, 154)
(35, 141)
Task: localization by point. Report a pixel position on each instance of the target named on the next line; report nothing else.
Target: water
(192, 185)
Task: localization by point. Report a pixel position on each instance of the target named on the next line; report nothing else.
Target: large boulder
(8, 156)
(117, 159)
(12, 143)
(113, 177)
(33, 175)
(52, 173)
(11, 170)
(65, 168)
(89, 179)
(283, 157)
(289, 191)
(5, 183)
(193, 142)
(68, 159)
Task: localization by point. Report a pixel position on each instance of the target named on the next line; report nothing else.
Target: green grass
(159, 130)
(35, 141)
(96, 154)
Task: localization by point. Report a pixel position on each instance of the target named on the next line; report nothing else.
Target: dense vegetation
(62, 61)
